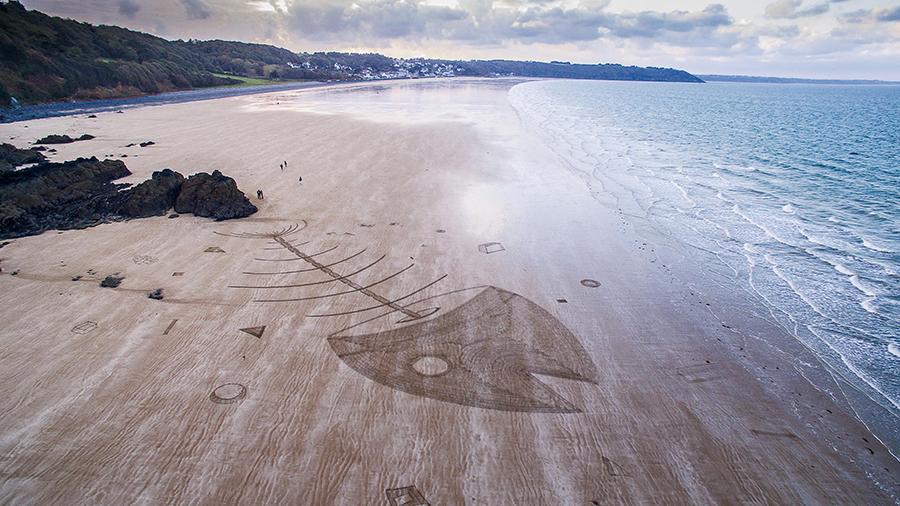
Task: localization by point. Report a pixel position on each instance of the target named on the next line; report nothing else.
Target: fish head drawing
(484, 354)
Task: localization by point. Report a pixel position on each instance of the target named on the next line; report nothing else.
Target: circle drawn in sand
(590, 283)
(228, 393)
(429, 365)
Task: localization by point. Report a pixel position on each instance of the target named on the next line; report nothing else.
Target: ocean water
(790, 193)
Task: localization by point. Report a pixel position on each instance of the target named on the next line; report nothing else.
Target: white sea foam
(784, 233)
(854, 280)
(894, 349)
(874, 247)
(843, 270)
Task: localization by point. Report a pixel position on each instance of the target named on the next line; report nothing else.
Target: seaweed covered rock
(73, 194)
(153, 197)
(213, 196)
(55, 139)
(12, 157)
(62, 139)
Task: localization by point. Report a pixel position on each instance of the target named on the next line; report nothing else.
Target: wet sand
(440, 312)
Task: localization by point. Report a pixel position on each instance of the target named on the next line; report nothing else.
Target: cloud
(649, 24)
(128, 8)
(196, 9)
(787, 9)
(889, 14)
(886, 15)
(481, 22)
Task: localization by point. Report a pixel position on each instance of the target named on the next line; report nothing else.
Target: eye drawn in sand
(84, 327)
(228, 393)
(484, 353)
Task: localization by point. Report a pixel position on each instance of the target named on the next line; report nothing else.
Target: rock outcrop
(213, 196)
(81, 193)
(153, 197)
(62, 139)
(66, 195)
(12, 157)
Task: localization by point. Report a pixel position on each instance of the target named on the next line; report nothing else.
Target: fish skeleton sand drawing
(484, 353)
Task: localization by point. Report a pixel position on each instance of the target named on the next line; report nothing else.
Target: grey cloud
(648, 24)
(787, 9)
(383, 19)
(196, 9)
(128, 8)
(474, 21)
(889, 14)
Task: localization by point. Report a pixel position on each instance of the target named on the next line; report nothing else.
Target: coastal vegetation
(47, 59)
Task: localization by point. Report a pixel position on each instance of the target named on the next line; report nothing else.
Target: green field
(246, 81)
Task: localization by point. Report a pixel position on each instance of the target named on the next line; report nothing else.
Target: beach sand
(527, 347)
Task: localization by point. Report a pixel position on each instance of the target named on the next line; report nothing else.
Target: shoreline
(422, 175)
(42, 111)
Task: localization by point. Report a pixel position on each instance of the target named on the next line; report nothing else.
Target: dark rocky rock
(156, 294)
(55, 139)
(81, 193)
(62, 139)
(213, 196)
(153, 197)
(59, 196)
(111, 281)
(145, 144)
(12, 157)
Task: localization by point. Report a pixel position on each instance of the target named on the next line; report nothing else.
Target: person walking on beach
(281, 165)
(301, 179)
(285, 163)
(259, 194)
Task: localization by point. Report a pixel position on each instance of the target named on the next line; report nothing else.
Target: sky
(820, 39)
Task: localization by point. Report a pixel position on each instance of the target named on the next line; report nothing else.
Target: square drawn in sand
(490, 247)
(406, 496)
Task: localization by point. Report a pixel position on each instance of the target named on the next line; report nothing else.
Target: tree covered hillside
(46, 59)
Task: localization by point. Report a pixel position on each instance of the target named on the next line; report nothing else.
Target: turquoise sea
(787, 194)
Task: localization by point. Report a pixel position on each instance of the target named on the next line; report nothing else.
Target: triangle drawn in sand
(255, 331)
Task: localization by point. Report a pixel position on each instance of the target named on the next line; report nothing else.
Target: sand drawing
(256, 332)
(214, 249)
(169, 328)
(590, 283)
(84, 327)
(699, 373)
(143, 259)
(178, 273)
(406, 496)
(228, 393)
(490, 247)
(485, 353)
(772, 433)
(613, 469)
